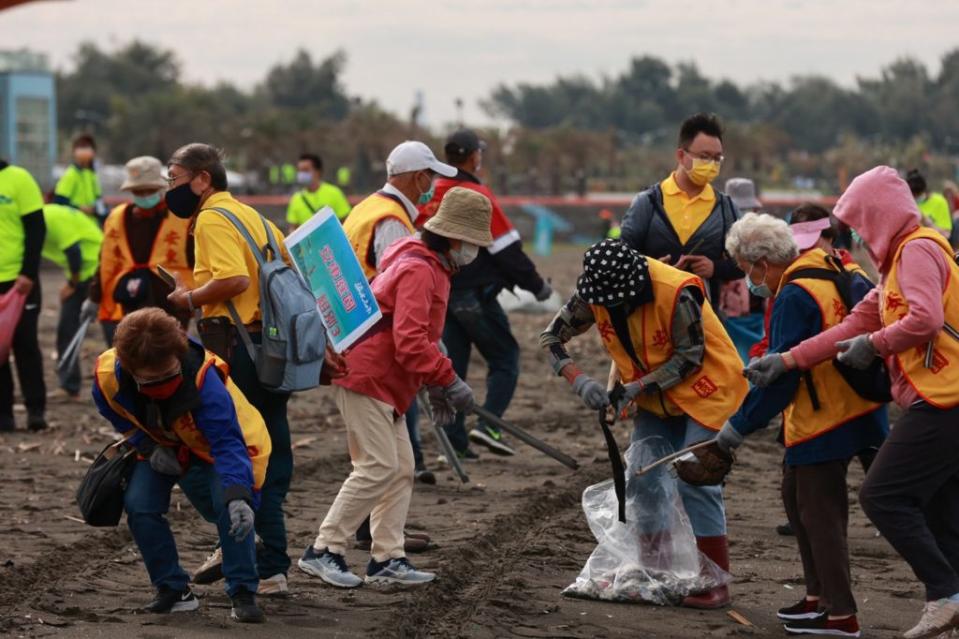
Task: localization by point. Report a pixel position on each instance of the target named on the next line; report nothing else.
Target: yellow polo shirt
(685, 213)
(221, 253)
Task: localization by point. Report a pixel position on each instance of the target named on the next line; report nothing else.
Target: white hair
(759, 235)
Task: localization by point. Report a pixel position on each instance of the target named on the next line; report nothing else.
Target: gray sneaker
(396, 571)
(937, 617)
(329, 567)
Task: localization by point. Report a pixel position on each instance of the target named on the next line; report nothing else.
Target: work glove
(459, 395)
(630, 392)
(443, 411)
(765, 370)
(89, 310)
(857, 352)
(163, 460)
(241, 519)
(728, 438)
(591, 392)
(543, 294)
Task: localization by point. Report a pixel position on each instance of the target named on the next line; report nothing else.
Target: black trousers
(29, 359)
(817, 506)
(911, 494)
(67, 327)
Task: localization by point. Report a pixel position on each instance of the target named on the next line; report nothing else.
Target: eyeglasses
(705, 157)
(171, 180)
(147, 383)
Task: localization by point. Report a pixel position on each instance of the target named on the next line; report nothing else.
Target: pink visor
(807, 234)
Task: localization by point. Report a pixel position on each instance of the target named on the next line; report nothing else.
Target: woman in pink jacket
(911, 320)
(397, 358)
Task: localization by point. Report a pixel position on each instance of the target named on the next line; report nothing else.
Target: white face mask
(465, 254)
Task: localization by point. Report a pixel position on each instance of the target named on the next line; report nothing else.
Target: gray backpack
(290, 356)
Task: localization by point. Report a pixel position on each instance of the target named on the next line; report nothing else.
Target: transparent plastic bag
(653, 557)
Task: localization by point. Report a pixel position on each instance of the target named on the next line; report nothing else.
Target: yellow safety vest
(931, 369)
(257, 438)
(116, 259)
(711, 394)
(361, 223)
(838, 402)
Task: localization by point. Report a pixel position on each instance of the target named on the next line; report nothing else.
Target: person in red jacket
(474, 317)
(386, 369)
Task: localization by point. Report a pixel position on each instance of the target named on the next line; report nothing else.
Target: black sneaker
(468, 455)
(169, 600)
(786, 530)
(805, 609)
(491, 438)
(36, 422)
(245, 609)
(823, 625)
(7, 424)
(424, 475)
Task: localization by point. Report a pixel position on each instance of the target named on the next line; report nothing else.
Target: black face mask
(182, 202)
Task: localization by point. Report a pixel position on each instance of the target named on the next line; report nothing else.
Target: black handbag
(100, 494)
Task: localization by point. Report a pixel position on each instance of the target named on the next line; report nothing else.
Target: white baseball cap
(415, 156)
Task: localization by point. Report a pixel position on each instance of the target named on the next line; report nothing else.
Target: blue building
(28, 114)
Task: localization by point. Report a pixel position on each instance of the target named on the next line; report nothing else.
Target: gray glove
(543, 294)
(765, 370)
(857, 352)
(164, 461)
(591, 392)
(728, 438)
(443, 411)
(89, 310)
(459, 395)
(241, 519)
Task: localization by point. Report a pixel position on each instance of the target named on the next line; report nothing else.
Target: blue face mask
(426, 197)
(759, 290)
(147, 201)
(303, 178)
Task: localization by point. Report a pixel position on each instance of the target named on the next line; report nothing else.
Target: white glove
(89, 310)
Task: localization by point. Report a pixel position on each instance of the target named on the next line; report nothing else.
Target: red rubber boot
(717, 549)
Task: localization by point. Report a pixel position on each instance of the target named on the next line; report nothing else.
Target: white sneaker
(937, 617)
(275, 586)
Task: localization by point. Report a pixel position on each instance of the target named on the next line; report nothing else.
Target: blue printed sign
(325, 259)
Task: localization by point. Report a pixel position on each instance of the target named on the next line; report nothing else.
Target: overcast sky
(459, 49)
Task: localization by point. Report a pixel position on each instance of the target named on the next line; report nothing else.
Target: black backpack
(100, 494)
(872, 383)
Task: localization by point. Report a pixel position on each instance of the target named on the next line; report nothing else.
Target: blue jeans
(703, 504)
(473, 316)
(412, 427)
(147, 501)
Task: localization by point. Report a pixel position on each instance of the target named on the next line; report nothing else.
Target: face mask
(147, 201)
(163, 389)
(759, 290)
(703, 171)
(83, 154)
(426, 195)
(304, 177)
(182, 201)
(465, 254)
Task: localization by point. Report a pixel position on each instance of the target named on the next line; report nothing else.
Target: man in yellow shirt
(314, 193)
(683, 220)
(21, 242)
(226, 270)
(79, 186)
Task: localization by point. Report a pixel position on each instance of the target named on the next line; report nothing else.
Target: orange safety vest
(931, 369)
(360, 226)
(712, 393)
(255, 434)
(116, 259)
(838, 402)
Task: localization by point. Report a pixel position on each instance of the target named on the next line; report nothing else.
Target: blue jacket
(796, 317)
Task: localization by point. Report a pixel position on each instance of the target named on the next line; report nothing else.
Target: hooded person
(911, 320)
(681, 371)
(396, 358)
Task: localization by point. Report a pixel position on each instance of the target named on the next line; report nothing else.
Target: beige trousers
(381, 484)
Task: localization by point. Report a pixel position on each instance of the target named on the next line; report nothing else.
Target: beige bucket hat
(144, 172)
(464, 215)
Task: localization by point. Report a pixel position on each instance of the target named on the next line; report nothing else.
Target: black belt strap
(615, 457)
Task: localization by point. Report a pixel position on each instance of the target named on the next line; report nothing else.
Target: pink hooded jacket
(880, 207)
(400, 355)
